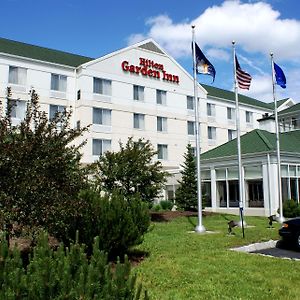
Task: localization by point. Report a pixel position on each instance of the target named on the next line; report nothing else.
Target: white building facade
(137, 91)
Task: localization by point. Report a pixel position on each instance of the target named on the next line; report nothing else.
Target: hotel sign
(149, 68)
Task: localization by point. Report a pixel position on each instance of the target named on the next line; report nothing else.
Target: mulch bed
(165, 216)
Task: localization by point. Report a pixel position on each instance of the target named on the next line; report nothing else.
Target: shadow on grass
(136, 256)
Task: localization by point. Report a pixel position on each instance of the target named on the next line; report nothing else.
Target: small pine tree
(186, 194)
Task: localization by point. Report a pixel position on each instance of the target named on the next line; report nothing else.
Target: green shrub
(166, 204)
(156, 207)
(40, 170)
(119, 221)
(65, 274)
(291, 209)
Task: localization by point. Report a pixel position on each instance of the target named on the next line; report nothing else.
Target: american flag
(243, 78)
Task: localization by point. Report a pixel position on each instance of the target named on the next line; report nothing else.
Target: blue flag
(279, 76)
(203, 66)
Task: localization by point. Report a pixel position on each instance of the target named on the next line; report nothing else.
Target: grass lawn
(185, 265)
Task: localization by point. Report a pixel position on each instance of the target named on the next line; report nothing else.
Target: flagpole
(237, 118)
(199, 228)
(281, 218)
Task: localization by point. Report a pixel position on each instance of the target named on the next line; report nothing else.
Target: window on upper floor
(211, 133)
(16, 109)
(162, 151)
(231, 134)
(249, 117)
(58, 82)
(138, 93)
(161, 97)
(190, 102)
(230, 113)
(100, 146)
(101, 116)
(17, 75)
(191, 127)
(102, 86)
(55, 109)
(211, 109)
(138, 121)
(162, 124)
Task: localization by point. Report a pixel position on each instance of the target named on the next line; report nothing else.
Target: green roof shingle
(256, 141)
(41, 53)
(228, 95)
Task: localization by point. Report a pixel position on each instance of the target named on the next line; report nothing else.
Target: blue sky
(94, 28)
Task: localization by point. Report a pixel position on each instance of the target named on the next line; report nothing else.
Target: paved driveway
(281, 250)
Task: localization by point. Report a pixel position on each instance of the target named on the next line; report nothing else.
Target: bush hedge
(65, 274)
(291, 209)
(119, 221)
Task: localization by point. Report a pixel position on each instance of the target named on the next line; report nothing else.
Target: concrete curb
(256, 246)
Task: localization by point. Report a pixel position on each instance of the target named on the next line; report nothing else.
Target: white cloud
(256, 27)
(218, 54)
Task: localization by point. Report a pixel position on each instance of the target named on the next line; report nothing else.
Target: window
(211, 110)
(230, 113)
(54, 109)
(78, 125)
(58, 82)
(17, 109)
(162, 151)
(191, 127)
(249, 117)
(138, 93)
(138, 121)
(102, 86)
(162, 124)
(231, 134)
(78, 95)
(190, 102)
(17, 75)
(101, 116)
(100, 146)
(161, 97)
(211, 133)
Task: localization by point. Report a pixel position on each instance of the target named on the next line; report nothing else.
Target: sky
(94, 28)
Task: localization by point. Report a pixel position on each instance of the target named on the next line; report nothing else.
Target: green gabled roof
(290, 110)
(228, 95)
(279, 102)
(41, 53)
(256, 141)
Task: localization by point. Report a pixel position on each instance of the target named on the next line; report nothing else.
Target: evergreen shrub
(166, 204)
(291, 209)
(119, 221)
(65, 274)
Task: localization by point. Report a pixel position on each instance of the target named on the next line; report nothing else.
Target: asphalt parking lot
(280, 251)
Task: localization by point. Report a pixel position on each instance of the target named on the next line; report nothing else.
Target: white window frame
(162, 124)
(190, 103)
(138, 121)
(211, 110)
(211, 133)
(249, 117)
(101, 116)
(58, 82)
(162, 151)
(191, 128)
(58, 109)
(138, 93)
(103, 144)
(102, 86)
(17, 75)
(231, 134)
(17, 108)
(230, 113)
(161, 97)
